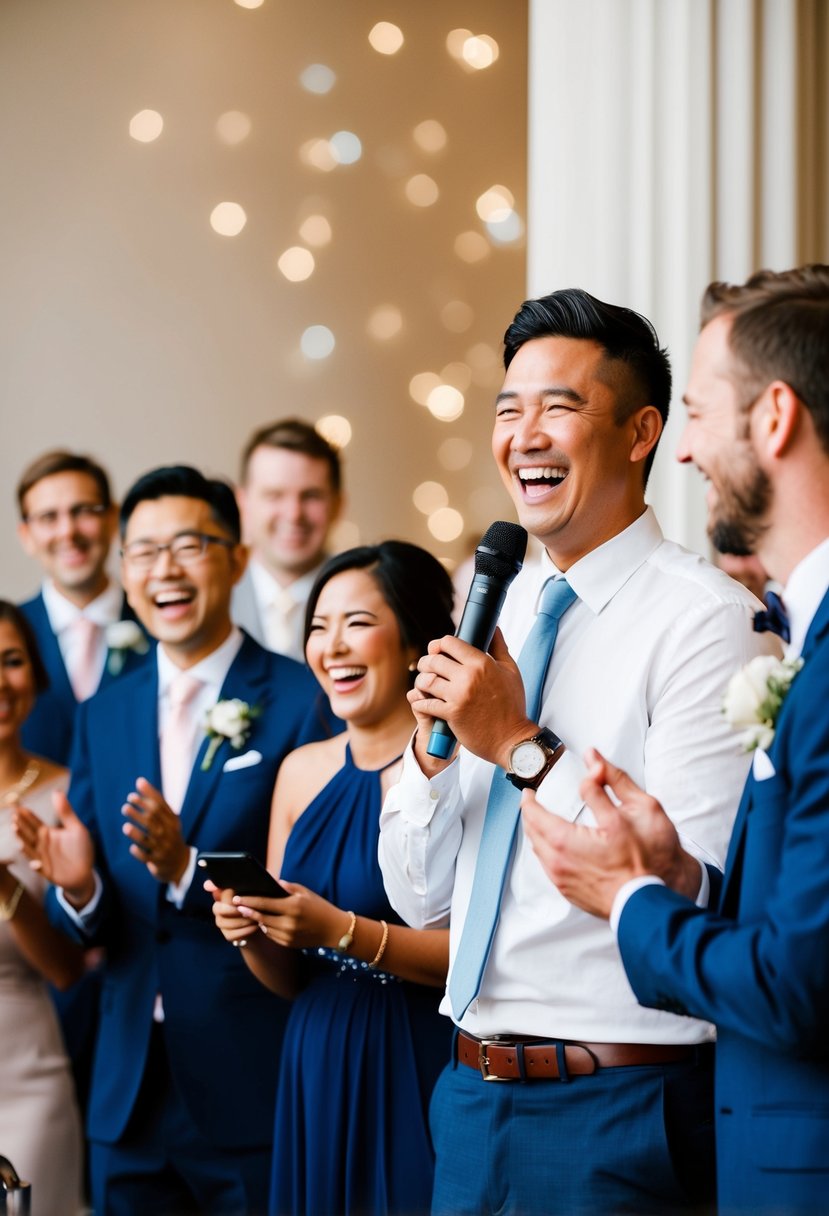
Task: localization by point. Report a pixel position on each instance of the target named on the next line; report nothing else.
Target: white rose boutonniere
(122, 636)
(755, 696)
(231, 720)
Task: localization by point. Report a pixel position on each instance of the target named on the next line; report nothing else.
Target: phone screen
(240, 871)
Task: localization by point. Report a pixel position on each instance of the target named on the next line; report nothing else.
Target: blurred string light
(233, 126)
(386, 321)
(458, 374)
(506, 230)
(386, 38)
(421, 385)
(250, 3)
(422, 190)
(445, 524)
(228, 219)
(317, 342)
(318, 78)
(296, 264)
(346, 147)
(430, 135)
(474, 52)
(496, 207)
(335, 428)
(455, 454)
(315, 230)
(430, 496)
(317, 153)
(445, 402)
(146, 125)
(471, 246)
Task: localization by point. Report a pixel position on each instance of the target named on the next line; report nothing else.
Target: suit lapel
(140, 744)
(50, 651)
(248, 681)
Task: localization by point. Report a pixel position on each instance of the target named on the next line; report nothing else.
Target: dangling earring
(413, 667)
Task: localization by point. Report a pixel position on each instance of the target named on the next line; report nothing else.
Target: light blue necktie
(502, 812)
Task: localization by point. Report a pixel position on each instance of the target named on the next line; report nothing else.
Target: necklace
(13, 793)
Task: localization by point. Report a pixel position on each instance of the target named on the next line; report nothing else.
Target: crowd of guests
(241, 691)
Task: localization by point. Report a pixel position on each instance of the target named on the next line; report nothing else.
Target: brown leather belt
(514, 1060)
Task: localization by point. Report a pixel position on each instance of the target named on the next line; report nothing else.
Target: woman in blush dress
(364, 1043)
(39, 1124)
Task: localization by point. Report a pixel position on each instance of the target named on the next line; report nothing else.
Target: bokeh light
(317, 78)
(233, 126)
(430, 496)
(317, 153)
(506, 230)
(455, 42)
(445, 402)
(228, 219)
(457, 316)
(386, 321)
(455, 454)
(317, 342)
(430, 135)
(345, 147)
(495, 204)
(386, 38)
(250, 3)
(146, 125)
(335, 428)
(422, 190)
(421, 385)
(458, 374)
(296, 264)
(471, 246)
(480, 51)
(445, 524)
(315, 230)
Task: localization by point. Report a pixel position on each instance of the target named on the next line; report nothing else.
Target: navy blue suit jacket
(49, 729)
(222, 1028)
(758, 966)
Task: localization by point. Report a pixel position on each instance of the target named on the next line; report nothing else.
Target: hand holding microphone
(498, 559)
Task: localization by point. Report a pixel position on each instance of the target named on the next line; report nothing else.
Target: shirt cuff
(650, 880)
(419, 794)
(177, 891)
(82, 917)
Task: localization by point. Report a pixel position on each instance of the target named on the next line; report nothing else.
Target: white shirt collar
(212, 670)
(267, 590)
(807, 585)
(600, 574)
(103, 610)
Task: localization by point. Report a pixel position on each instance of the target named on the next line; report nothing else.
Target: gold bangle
(9, 907)
(348, 937)
(383, 943)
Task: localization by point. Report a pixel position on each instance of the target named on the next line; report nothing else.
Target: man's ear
(646, 429)
(239, 555)
(25, 538)
(780, 417)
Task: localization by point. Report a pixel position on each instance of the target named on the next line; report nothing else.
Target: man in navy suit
(185, 1067)
(748, 950)
(85, 633)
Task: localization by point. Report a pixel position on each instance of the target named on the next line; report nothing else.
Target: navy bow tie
(775, 619)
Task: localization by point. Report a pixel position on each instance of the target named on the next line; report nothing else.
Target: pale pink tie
(85, 669)
(178, 739)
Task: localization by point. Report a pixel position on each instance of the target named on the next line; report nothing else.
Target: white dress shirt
(639, 669)
(104, 610)
(269, 595)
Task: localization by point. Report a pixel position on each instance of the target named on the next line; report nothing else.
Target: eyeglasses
(184, 549)
(79, 513)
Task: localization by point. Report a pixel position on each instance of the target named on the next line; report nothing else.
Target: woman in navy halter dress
(364, 1043)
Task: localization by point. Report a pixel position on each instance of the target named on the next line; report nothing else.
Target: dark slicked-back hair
(11, 613)
(413, 583)
(779, 331)
(625, 336)
(294, 435)
(182, 481)
(61, 461)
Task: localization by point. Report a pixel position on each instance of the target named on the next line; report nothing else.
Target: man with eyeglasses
(86, 633)
(180, 756)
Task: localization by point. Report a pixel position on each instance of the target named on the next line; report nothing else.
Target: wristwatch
(531, 760)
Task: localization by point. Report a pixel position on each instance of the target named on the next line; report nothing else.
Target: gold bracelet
(348, 937)
(9, 907)
(383, 943)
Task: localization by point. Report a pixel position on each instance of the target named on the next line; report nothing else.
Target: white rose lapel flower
(231, 720)
(122, 636)
(755, 696)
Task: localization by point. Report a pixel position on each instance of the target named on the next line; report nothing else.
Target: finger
(140, 854)
(498, 648)
(293, 888)
(148, 790)
(623, 786)
(63, 809)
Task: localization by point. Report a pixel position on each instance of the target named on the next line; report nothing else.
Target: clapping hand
(155, 831)
(63, 854)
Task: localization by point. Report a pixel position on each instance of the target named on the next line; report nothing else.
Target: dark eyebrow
(353, 612)
(553, 390)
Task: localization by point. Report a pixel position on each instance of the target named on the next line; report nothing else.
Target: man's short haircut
(779, 331)
(182, 481)
(625, 336)
(61, 461)
(19, 621)
(294, 435)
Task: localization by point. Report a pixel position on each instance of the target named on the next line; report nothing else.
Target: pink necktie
(178, 739)
(85, 671)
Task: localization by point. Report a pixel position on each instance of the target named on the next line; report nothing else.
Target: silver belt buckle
(483, 1060)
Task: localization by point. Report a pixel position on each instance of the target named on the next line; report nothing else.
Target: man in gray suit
(289, 497)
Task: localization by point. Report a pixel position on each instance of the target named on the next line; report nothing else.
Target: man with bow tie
(753, 956)
(181, 1102)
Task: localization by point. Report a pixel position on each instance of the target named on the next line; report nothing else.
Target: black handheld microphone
(498, 559)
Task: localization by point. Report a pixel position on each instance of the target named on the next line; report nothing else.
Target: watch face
(527, 759)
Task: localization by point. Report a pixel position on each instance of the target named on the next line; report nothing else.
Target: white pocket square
(761, 766)
(246, 760)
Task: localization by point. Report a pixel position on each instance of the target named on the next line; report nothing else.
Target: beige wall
(130, 329)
